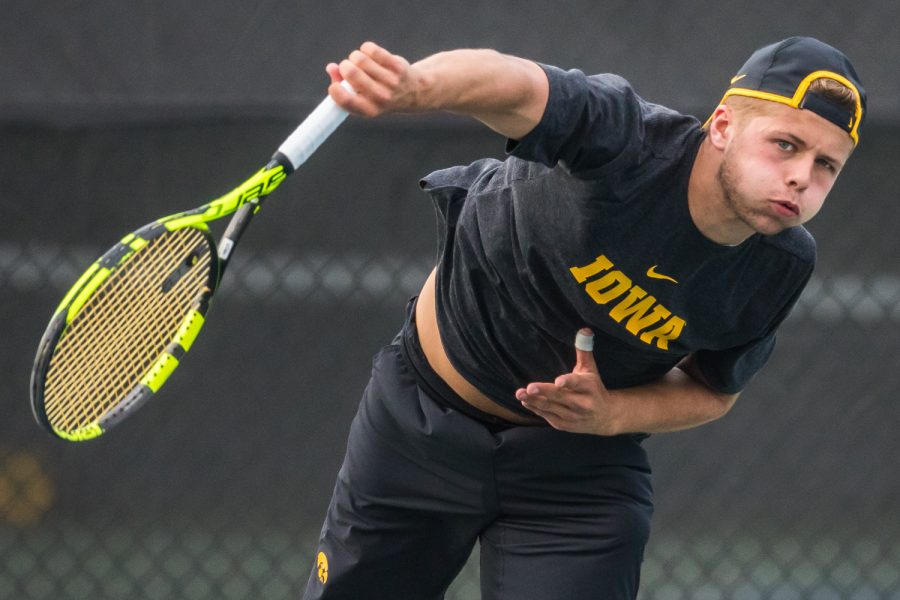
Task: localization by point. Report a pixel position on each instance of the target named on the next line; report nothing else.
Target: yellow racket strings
(123, 329)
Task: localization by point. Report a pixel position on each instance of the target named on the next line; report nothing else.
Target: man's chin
(767, 225)
(771, 227)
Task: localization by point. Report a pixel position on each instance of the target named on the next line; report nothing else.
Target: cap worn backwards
(783, 72)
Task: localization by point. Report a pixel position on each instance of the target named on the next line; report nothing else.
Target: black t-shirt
(586, 223)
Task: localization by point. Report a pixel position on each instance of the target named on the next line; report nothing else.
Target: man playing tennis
(668, 250)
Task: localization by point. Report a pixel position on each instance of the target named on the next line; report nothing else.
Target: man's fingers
(375, 71)
(392, 63)
(368, 96)
(379, 79)
(584, 352)
(554, 420)
(552, 412)
(551, 396)
(382, 56)
(535, 394)
(334, 72)
(559, 416)
(359, 79)
(384, 73)
(574, 400)
(540, 389)
(349, 101)
(584, 362)
(569, 382)
(584, 340)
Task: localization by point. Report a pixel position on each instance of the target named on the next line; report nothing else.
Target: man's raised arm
(506, 93)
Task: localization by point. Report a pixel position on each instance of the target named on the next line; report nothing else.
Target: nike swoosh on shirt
(651, 272)
(737, 78)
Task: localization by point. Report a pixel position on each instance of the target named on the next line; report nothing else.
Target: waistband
(431, 382)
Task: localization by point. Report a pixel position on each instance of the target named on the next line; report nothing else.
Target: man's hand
(382, 82)
(577, 401)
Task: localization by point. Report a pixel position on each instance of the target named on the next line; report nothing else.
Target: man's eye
(785, 145)
(824, 163)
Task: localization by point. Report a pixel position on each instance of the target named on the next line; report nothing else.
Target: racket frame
(244, 202)
(77, 298)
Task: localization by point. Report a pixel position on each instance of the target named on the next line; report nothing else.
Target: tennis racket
(128, 321)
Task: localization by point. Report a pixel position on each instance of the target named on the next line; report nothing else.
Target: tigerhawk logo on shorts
(648, 320)
(322, 567)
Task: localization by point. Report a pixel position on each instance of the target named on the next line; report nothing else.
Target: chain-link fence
(218, 488)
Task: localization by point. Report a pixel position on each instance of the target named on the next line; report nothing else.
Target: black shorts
(558, 515)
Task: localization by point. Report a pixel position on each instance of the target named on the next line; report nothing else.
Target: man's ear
(721, 126)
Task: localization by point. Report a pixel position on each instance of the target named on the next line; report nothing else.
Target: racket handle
(314, 130)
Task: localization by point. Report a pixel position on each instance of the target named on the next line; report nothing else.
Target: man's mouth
(786, 208)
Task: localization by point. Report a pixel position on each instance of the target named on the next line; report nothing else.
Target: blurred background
(113, 113)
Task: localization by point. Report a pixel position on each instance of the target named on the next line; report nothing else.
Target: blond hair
(835, 92)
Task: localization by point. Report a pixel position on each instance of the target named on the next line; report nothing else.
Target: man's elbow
(723, 403)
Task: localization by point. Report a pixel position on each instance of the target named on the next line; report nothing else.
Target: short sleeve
(728, 371)
(589, 122)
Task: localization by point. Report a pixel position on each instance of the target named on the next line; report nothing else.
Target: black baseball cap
(782, 72)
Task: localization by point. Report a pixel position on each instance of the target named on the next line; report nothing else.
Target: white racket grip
(314, 130)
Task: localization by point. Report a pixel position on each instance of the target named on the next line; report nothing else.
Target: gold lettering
(598, 266)
(610, 286)
(670, 330)
(638, 311)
